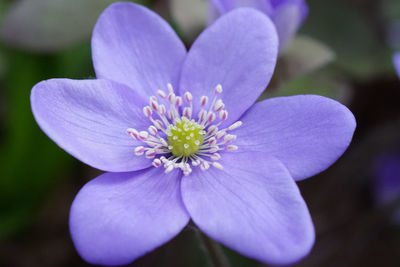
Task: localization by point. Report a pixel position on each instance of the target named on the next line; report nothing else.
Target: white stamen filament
(184, 141)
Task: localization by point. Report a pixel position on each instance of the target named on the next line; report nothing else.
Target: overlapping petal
(224, 6)
(396, 62)
(118, 217)
(252, 206)
(89, 119)
(287, 16)
(239, 52)
(135, 46)
(307, 133)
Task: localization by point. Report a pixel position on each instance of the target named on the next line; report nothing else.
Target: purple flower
(396, 62)
(232, 173)
(287, 15)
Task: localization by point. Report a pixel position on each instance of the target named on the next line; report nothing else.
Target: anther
(169, 168)
(143, 135)
(171, 98)
(161, 94)
(161, 109)
(151, 153)
(218, 89)
(212, 141)
(211, 116)
(231, 148)
(203, 101)
(219, 105)
(235, 125)
(187, 112)
(159, 124)
(215, 156)
(212, 130)
(170, 88)
(156, 163)
(217, 165)
(202, 115)
(229, 137)
(153, 103)
(188, 97)
(178, 101)
(153, 130)
(220, 134)
(163, 142)
(147, 111)
(133, 133)
(139, 150)
(204, 165)
(223, 115)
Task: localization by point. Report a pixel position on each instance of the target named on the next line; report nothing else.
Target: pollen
(185, 137)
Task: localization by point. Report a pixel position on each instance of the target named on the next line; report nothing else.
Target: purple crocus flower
(287, 15)
(396, 62)
(156, 120)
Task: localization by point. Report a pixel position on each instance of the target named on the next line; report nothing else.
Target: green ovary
(185, 138)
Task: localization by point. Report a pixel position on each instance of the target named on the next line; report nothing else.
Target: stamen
(147, 111)
(218, 89)
(203, 101)
(188, 97)
(186, 143)
(219, 105)
(223, 115)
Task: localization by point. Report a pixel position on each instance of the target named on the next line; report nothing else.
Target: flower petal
(224, 6)
(118, 217)
(252, 206)
(396, 61)
(135, 46)
(89, 119)
(287, 17)
(239, 52)
(307, 133)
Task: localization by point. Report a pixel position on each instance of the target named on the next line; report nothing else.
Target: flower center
(175, 140)
(185, 137)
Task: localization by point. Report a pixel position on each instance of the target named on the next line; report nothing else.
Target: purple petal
(387, 178)
(301, 4)
(396, 61)
(118, 217)
(239, 52)
(224, 6)
(288, 16)
(135, 46)
(307, 133)
(89, 119)
(252, 206)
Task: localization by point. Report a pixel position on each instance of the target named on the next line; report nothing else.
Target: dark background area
(38, 180)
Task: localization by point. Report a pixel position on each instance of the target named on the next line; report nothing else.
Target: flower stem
(213, 250)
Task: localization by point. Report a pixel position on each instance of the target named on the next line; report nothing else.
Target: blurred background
(343, 51)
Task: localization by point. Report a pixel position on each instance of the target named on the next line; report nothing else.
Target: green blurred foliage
(360, 51)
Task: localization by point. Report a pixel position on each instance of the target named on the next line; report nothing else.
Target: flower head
(180, 137)
(287, 15)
